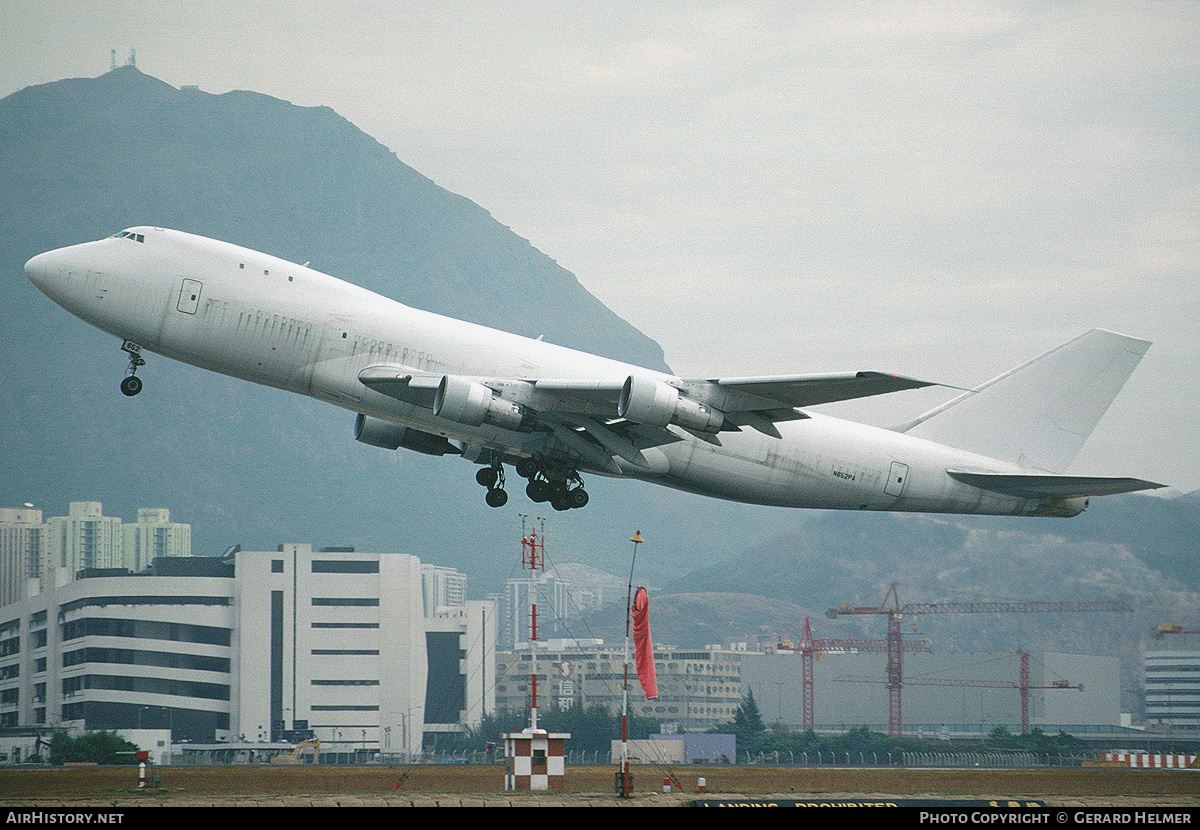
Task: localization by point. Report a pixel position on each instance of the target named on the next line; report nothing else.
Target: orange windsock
(643, 647)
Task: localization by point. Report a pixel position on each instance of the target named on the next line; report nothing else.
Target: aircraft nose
(45, 271)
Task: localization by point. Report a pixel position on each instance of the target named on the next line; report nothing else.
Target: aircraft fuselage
(260, 318)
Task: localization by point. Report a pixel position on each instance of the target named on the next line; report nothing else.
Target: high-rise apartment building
(555, 604)
(86, 539)
(83, 539)
(154, 536)
(22, 547)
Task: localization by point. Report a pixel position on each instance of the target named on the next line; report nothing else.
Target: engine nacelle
(469, 402)
(657, 404)
(389, 436)
(1062, 508)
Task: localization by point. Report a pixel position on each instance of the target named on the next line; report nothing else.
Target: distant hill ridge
(85, 157)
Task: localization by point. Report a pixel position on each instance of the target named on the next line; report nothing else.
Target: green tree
(105, 748)
(591, 729)
(748, 725)
(1000, 738)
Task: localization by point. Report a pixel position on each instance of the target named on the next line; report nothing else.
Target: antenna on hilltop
(132, 61)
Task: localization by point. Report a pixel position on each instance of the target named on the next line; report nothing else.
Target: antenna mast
(533, 557)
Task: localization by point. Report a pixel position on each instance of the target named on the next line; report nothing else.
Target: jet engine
(469, 402)
(657, 404)
(389, 436)
(1062, 508)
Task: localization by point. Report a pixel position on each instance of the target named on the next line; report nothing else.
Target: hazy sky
(939, 190)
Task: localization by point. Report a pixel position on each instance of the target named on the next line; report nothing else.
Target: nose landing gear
(132, 384)
(493, 479)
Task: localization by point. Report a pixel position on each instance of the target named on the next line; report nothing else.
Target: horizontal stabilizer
(1034, 486)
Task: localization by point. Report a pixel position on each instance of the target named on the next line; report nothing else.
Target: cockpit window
(136, 237)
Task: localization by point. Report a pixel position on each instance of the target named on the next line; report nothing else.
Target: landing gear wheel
(552, 481)
(487, 476)
(537, 491)
(497, 498)
(131, 385)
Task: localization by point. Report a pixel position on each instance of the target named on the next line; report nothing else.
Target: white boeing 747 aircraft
(428, 383)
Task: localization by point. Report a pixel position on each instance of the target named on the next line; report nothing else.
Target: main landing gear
(132, 384)
(549, 481)
(556, 483)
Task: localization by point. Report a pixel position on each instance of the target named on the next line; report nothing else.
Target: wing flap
(766, 393)
(1034, 485)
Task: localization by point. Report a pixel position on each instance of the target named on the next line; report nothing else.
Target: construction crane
(895, 613)
(1170, 628)
(1024, 686)
(809, 645)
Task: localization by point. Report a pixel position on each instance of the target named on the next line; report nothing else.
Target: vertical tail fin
(1040, 413)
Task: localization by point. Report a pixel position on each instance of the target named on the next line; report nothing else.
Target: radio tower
(533, 557)
(534, 759)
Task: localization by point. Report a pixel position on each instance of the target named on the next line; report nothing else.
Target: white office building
(251, 648)
(1172, 682)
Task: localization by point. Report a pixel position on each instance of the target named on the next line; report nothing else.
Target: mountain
(83, 158)
(1130, 547)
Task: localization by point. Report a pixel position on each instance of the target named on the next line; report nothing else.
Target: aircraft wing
(751, 401)
(1036, 485)
(544, 395)
(759, 402)
(587, 409)
(755, 393)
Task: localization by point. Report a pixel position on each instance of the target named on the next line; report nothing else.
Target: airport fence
(897, 758)
(894, 758)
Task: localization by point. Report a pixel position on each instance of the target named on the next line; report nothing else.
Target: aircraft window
(136, 237)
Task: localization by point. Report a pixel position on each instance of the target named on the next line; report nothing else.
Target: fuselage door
(897, 476)
(189, 296)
